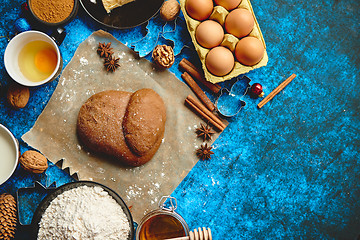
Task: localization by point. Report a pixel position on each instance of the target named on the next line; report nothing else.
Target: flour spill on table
(84, 61)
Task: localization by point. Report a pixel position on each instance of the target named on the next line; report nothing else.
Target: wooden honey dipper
(202, 234)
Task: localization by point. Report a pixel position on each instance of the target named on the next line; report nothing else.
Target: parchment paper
(54, 133)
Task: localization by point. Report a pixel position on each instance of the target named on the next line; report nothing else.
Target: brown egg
(199, 9)
(249, 51)
(209, 34)
(228, 4)
(219, 61)
(239, 22)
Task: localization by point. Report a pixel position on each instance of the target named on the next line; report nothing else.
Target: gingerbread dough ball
(144, 122)
(127, 126)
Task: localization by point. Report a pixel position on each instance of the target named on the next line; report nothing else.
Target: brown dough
(100, 125)
(144, 122)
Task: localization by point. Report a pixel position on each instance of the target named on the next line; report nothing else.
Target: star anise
(104, 50)
(204, 132)
(111, 64)
(204, 152)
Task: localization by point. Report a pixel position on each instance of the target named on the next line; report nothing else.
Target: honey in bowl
(37, 60)
(161, 226)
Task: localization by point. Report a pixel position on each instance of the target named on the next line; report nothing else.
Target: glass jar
(162, 223)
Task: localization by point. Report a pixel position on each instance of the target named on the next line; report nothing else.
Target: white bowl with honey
(32, 58)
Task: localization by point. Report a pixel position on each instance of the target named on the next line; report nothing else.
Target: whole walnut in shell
(170, 10)
(33, 161)
(163, 56)
(18, 96)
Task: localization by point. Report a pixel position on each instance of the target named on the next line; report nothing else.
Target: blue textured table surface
(289, 170)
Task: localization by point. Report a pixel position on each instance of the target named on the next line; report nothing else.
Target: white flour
(84, 213)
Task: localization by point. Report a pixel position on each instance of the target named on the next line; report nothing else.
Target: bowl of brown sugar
(53, 13)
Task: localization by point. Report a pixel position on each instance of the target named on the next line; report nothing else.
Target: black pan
(127, 16)
(47, 200)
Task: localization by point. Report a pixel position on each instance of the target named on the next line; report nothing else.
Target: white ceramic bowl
(12, 53)
(9, 150)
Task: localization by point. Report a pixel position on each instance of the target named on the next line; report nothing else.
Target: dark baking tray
(127, 16)
(47, 200)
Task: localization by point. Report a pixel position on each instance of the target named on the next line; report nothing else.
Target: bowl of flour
(83, 210)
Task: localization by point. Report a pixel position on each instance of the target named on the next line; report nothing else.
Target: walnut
(163, 55)
(33, 161)
(18, 96)
(170, 10)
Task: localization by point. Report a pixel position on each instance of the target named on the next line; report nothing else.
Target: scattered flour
(84, 213)
(84, 61)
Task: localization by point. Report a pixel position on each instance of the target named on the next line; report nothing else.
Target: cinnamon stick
(215, 118)
(276, 91)
(205, 113)
(198, 91)
(196, 73)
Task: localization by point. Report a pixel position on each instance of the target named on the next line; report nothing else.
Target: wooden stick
(179, 238)
(195, 73)
(203, 234)
(205, 113)
(197, 90)
(276, 91)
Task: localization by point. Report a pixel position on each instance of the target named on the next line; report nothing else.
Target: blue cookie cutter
(159, 32)
(229, 102)
(29, 198)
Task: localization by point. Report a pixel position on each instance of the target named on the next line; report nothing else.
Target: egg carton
(219, 14)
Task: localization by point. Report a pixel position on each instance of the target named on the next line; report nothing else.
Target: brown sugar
(52, 11)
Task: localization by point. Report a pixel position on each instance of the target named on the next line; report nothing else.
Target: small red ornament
(257, 90)
(25, 8)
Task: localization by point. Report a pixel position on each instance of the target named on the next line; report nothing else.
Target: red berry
(24, 7)
(257, 90)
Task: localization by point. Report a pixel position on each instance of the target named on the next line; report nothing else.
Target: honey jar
(162, 223)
